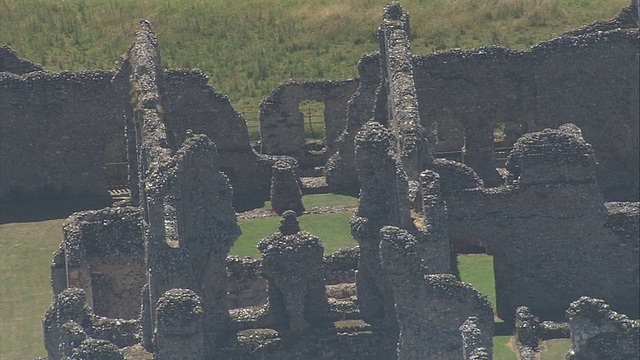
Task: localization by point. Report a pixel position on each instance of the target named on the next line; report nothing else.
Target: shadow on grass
(503, 328)
(40, 210)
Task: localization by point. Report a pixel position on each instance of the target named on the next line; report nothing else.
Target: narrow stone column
(292, 264)
(179, 326)
(473, 341)
(285, 188)
(430, 309)
(433, 240)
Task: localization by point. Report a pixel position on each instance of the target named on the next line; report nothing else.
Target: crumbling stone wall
(597, 332)
(383, 201)
(179, 326)
(466, 94)
(56, 128)
(187, 202)
(545, 86)
(292, 265)
(551, 199)
(103, 254)
(526, 333)
(430, 309)
(340, 169)
(247, 288)
(191, 104)
(414, 142)
(549, 230)
(286, 192)
(71, 329)
(60, 129)
(474, 346)
(281, 119)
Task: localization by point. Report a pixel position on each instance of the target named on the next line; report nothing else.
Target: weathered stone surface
(292, 265)
(430, 309)
(534, 224)
(597, 332)
(179, 326)
(72, 329)
(552, 235)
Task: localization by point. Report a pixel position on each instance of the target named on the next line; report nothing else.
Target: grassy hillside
(250, 46)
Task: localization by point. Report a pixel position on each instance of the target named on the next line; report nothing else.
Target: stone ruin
(154, 273)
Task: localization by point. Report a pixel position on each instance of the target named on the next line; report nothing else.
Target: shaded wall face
(591, 81)
(282, 123)
(116, 281)
(104, 255)
(190, 104)
(596, 87)
(115, 257)
(55, 131)
(550, 246)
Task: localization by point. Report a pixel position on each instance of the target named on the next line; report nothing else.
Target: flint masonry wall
(430, 309)
(71, 329)
(341, 167)
(414, 138)
(590, 80)
(103, 253)
(597, 332)
(281, 119)
(56, 130)
(59, 130)
(551, 226)
(189, 220)
(466, 94)
(189, 103)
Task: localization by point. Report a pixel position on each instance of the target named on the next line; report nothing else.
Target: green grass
(477, 269)
(25, 290)
(332, 229)
(502, 348)
(329, 200)
(248, 47)
(554, 349)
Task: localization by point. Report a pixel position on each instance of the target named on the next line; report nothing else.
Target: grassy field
(25, 291)
(332, 229)
(248, 47)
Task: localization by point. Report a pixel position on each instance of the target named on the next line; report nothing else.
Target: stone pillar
(285, 188)
(401, 263)
(383, 201)
(433, 240)
(341, 167)
(292, 264)
(526, 333)
(473, 341)
(431, 308)
(414, 143)
(179, 326)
